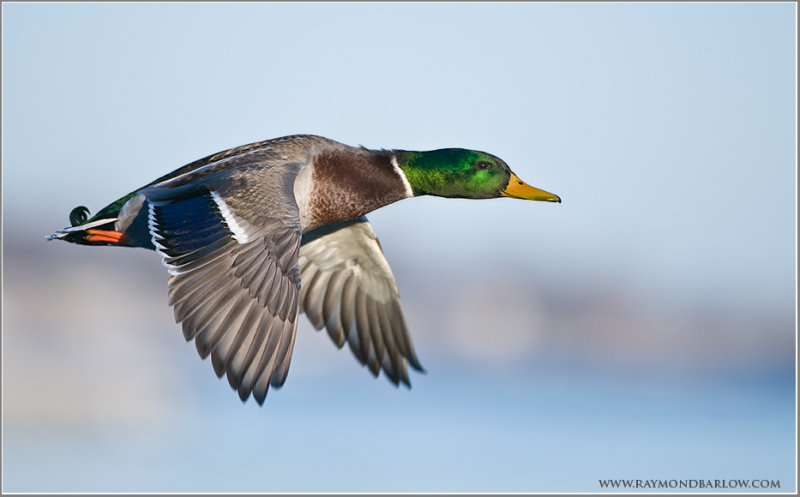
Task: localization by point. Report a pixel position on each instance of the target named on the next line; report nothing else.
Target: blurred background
(644, 328)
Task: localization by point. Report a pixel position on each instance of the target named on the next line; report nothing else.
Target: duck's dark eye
(483, 165)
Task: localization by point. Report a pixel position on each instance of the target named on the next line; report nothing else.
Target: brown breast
(351, 182)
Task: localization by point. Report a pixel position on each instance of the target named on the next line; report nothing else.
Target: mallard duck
(239, 230)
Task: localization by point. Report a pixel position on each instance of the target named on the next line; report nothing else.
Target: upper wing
(235, 280)
(349, 289)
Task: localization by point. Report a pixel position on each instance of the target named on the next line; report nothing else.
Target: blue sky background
(644, 328)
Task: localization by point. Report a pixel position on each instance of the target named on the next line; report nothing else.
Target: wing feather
(235, 280)
(349, 289)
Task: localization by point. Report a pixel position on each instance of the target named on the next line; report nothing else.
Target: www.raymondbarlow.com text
(692, 484)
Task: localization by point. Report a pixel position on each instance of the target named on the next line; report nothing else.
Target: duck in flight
(240, 230)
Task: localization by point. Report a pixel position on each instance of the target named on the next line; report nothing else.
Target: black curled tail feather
(77, 233)
(79, 215)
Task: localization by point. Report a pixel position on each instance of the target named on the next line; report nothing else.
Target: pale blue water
(535, 431)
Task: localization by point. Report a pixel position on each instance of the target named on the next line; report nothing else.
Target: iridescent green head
(461, 173)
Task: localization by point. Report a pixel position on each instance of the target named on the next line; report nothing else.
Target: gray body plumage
(247, 250)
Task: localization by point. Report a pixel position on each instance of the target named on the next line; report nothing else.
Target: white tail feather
(81, 227)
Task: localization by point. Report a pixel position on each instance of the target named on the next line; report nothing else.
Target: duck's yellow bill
(519, 189)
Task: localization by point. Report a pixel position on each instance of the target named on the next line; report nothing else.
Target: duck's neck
(344, 184)
(405, 160)
(432, 172)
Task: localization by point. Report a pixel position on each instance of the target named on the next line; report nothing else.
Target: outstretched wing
(235, 280)
(349, 289)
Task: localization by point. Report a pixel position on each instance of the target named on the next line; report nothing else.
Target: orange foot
(119, 237)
